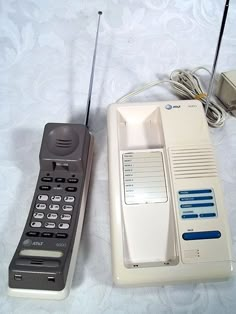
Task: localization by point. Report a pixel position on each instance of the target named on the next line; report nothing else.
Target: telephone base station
(168, 219)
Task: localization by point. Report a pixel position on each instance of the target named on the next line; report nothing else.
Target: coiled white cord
(188, 86)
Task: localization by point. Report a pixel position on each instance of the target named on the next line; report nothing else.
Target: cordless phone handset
(44, 261)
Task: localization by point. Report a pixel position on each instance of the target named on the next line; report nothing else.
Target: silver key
(53, 207)
(65, 217)
(40, 206)
(50, 225)
(69, 199)
(43, 197)
(36, 224)
(63, 226)
(56, 198)
(52, 216)
(67, 208)
(38, 215)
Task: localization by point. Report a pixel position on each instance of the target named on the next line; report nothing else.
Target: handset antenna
(210, 88)
(92, 72)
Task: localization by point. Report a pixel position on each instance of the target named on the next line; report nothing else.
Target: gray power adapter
(226, 91)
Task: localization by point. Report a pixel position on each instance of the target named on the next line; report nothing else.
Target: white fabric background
(45, 59)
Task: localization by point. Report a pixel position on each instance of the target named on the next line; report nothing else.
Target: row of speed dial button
(52, 216)
(54, 207)
(56, 198)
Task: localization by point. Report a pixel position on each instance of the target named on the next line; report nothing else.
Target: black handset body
(43, 256)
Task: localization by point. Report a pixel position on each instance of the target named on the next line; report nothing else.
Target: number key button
(52, 216)
(67, 208)
(69, 199)
(49, 225)
(38, 215)
(63, 226)
(40, 206)
(36, 224)
(56, 198)
(65, 217)
(43, 197)
(53, 207)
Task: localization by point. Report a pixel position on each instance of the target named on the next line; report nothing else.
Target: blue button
(202, 235)
(196, 198)
(207, 215)
(195, 191)
(196, 205)
(190, 216)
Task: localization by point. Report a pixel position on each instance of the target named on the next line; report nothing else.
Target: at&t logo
(169, 107)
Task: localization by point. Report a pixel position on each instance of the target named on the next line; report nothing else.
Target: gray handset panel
(43, 255)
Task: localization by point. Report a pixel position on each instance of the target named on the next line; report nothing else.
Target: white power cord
(187, 85)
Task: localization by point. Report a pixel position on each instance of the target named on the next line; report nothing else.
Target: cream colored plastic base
(150, 226)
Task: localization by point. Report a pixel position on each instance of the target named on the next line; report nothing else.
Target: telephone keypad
(57, 209)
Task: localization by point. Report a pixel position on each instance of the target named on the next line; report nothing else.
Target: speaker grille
(62, 140)
(194, 162)
(63, 143)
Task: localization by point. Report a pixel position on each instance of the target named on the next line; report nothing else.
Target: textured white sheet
(45, 59)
